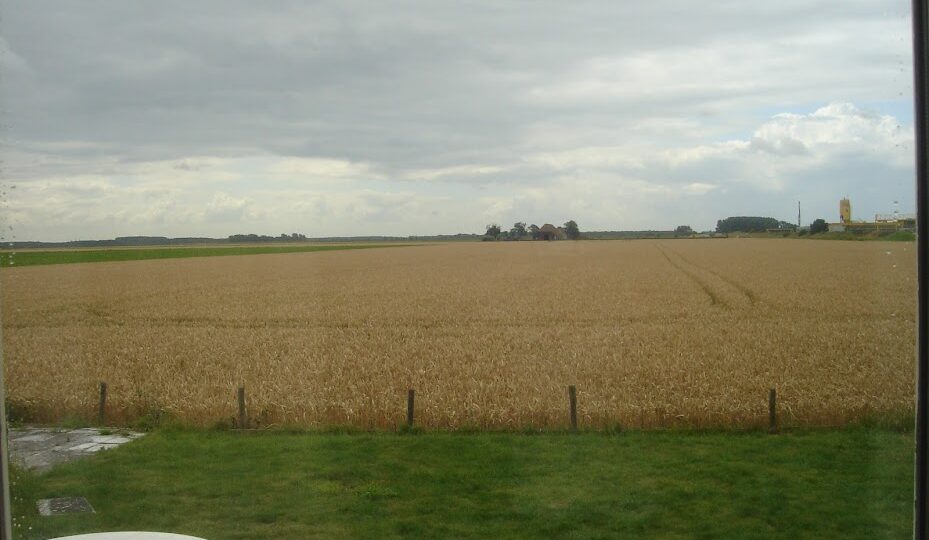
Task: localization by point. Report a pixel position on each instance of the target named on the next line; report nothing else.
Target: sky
(213, 118)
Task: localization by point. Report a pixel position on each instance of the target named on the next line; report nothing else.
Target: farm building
(550, 232)
(881, 223)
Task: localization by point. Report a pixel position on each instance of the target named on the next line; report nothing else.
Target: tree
(518, 230)
(819, 226)
(683, 229)
(493, 230)
(751, 224)
(534, 231)
(570, 229)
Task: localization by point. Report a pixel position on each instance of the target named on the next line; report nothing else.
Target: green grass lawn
(854, 483)
(32, 258)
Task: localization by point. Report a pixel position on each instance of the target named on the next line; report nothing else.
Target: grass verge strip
(35, 258)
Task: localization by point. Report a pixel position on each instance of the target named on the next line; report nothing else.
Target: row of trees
(249, 238)
(761, 224)
(520, 231)
(750, 224)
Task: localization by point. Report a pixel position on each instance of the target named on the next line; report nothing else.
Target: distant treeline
(135, 241)
(253, 238)
(258, 238)
(618, 235)
(751, 224)
(730, 224)
(122, 241)
(434, 238)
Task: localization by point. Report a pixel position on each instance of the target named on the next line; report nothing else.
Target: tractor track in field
(721, 291)
(714, 299)
(749, 294)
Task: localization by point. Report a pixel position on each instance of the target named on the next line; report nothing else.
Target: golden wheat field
(652, 333)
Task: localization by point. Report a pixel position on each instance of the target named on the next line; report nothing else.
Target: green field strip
(37, 258)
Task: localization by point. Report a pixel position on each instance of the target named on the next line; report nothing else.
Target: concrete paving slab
(83, 447)
(41, 448)
(63, 505)
(38, 437)
(110, 439)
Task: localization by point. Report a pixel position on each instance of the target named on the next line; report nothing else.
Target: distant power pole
(798, 214)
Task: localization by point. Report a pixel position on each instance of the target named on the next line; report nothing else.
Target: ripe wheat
(653, 333)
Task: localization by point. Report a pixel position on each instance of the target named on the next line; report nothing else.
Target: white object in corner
(131, 535)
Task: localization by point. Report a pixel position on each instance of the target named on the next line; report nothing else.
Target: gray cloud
(195, 118)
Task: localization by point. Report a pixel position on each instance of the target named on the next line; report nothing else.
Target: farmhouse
(550, 232)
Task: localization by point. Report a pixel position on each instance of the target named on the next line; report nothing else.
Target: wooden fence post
(410, 398)
(572, 400)
(772, 411)
(101, 407)
(243, 418)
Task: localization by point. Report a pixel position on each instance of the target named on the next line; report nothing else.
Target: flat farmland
(688, 333)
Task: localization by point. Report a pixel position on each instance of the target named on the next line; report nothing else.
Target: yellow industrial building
(882, 222)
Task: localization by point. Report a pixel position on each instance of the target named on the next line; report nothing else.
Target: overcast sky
(211, 118)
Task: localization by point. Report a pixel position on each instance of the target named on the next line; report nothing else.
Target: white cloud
(838, 149)
(316, 168)
(589, 157)
(838, 127)
(223, 208)
(357, 118)
(458, 171)
(699, 188)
